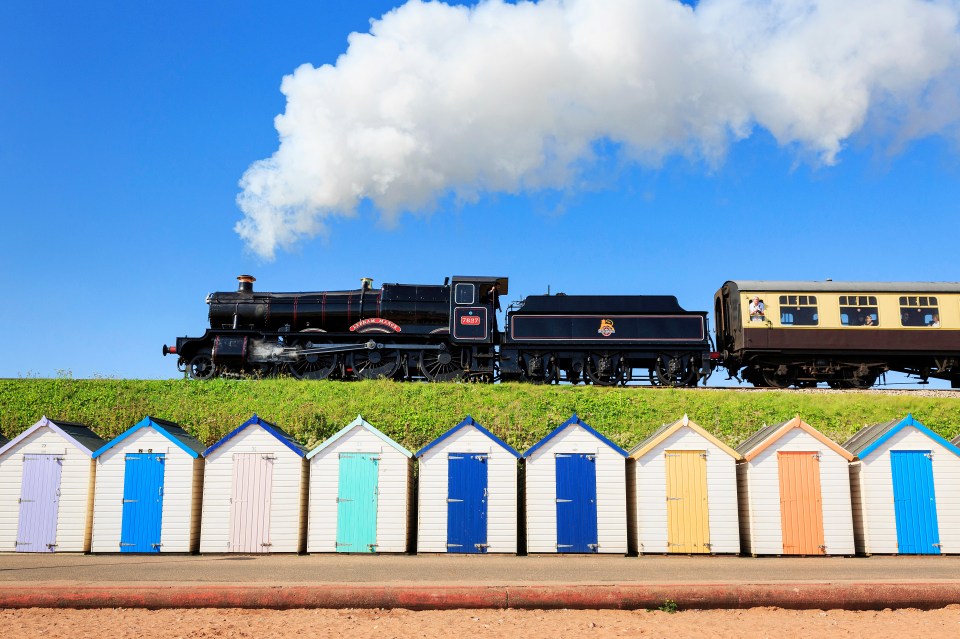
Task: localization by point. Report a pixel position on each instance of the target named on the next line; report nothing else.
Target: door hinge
(451, 500)
(564, 545)
(454, 545)
(26, 501)
(340, 500)
(122, 544)
(937, 545)
(674, 498)
(563, 501)
(339, 544)
(266, 543)
(129, 501)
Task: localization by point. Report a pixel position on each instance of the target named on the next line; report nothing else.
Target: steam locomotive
(845, 334)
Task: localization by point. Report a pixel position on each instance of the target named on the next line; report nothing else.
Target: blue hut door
(357, 502)
(576, 502)
(142, 502)
(467, 502)
(915, 503)
(39, 503)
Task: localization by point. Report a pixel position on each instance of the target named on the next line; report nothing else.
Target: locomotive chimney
(366, 282)
(246, 283)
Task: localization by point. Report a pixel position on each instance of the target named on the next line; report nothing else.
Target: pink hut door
(250, 502)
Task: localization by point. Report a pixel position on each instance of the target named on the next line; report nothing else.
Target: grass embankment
(414, 414)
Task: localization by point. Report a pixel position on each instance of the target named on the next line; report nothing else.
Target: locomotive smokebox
(246, 283)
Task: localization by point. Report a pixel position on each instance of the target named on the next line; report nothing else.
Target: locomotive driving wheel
(374, 363)
(444, 365)
(201, 367)
(312, 365)
(604, 369)
(672, 370)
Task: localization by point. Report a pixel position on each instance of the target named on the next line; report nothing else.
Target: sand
(474, 624)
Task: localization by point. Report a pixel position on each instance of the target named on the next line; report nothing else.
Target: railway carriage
(846, 334)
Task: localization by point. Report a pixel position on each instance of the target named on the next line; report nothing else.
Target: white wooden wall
(289, 484)
(766, 535)
(876, 485)
(179, 475)
(392, 482)
(541, 496)
(76, 481)
(501, 499)
(651, 487)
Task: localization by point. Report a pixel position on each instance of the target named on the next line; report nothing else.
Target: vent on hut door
(576, 502)
(357, 502)
(467, 502)
(801, 507)
(39, 503)
(915, 502)
(688, 515)
(142, 502)
(250, 502)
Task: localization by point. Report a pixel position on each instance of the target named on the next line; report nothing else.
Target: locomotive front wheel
(372, 364)
(443, 365)
(201, 367)
(673, 371)
(313, 365)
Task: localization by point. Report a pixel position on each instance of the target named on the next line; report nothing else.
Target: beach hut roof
(466, 423)
(573, 421)
(868, 439)
(362, 423)
(766, 436)
(78, 434)
(174, 432)
(284, 437)
(667, 430)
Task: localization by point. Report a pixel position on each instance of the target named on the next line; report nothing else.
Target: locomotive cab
(474, 302)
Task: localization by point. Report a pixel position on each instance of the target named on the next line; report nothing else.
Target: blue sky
(126, 127)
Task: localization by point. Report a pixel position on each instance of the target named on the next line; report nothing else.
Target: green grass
(416, 413)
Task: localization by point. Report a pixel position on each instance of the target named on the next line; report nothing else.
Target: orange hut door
(801, 507)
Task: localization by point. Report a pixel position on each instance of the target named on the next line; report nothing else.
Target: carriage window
(919, 310)
(464, 294)
(859, 310)
(799, 310)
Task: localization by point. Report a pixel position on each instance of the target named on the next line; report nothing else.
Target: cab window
(859, 310)
(919, 310)
(464, 293)
(799, 310)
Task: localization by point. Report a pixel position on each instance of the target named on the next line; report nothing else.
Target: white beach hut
(576, 492)
(361, 488)
(794, 492)
(147, 497)
(255, 491)
(906, 489)
(468, 492)
(46, 488)
(685, 491)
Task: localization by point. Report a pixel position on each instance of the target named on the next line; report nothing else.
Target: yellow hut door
(688, 516)
(801, 507)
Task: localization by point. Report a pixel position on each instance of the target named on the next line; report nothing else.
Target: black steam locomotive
(448, 332)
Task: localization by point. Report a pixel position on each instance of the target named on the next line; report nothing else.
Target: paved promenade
(489, 581)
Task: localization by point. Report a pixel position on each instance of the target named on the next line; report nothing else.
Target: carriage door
(357, 502)
(39, 503)
(801, 507)
(688, 518)
(250, 502)
(915, 503)
(467, 502)
(576, 502)
(471, 321)
(142, 502)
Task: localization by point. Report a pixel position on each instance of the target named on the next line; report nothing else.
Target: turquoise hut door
(142, 502)
(357, 502)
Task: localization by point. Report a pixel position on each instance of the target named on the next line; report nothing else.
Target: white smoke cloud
(438, 99)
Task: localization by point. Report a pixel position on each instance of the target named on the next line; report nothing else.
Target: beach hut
(794, 492)
(149, 483)
(361, 484)
(46, 487)
(255, 491)
(684, 491)
(468, 492)
(576, 492)
(906, 489)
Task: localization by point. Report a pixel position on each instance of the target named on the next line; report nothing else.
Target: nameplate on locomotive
(376, 321)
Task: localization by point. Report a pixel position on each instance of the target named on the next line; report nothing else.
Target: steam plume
(438, 99)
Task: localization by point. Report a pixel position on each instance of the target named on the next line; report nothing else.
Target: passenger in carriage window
(934, 321)
(756, 309)
(868, 320)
